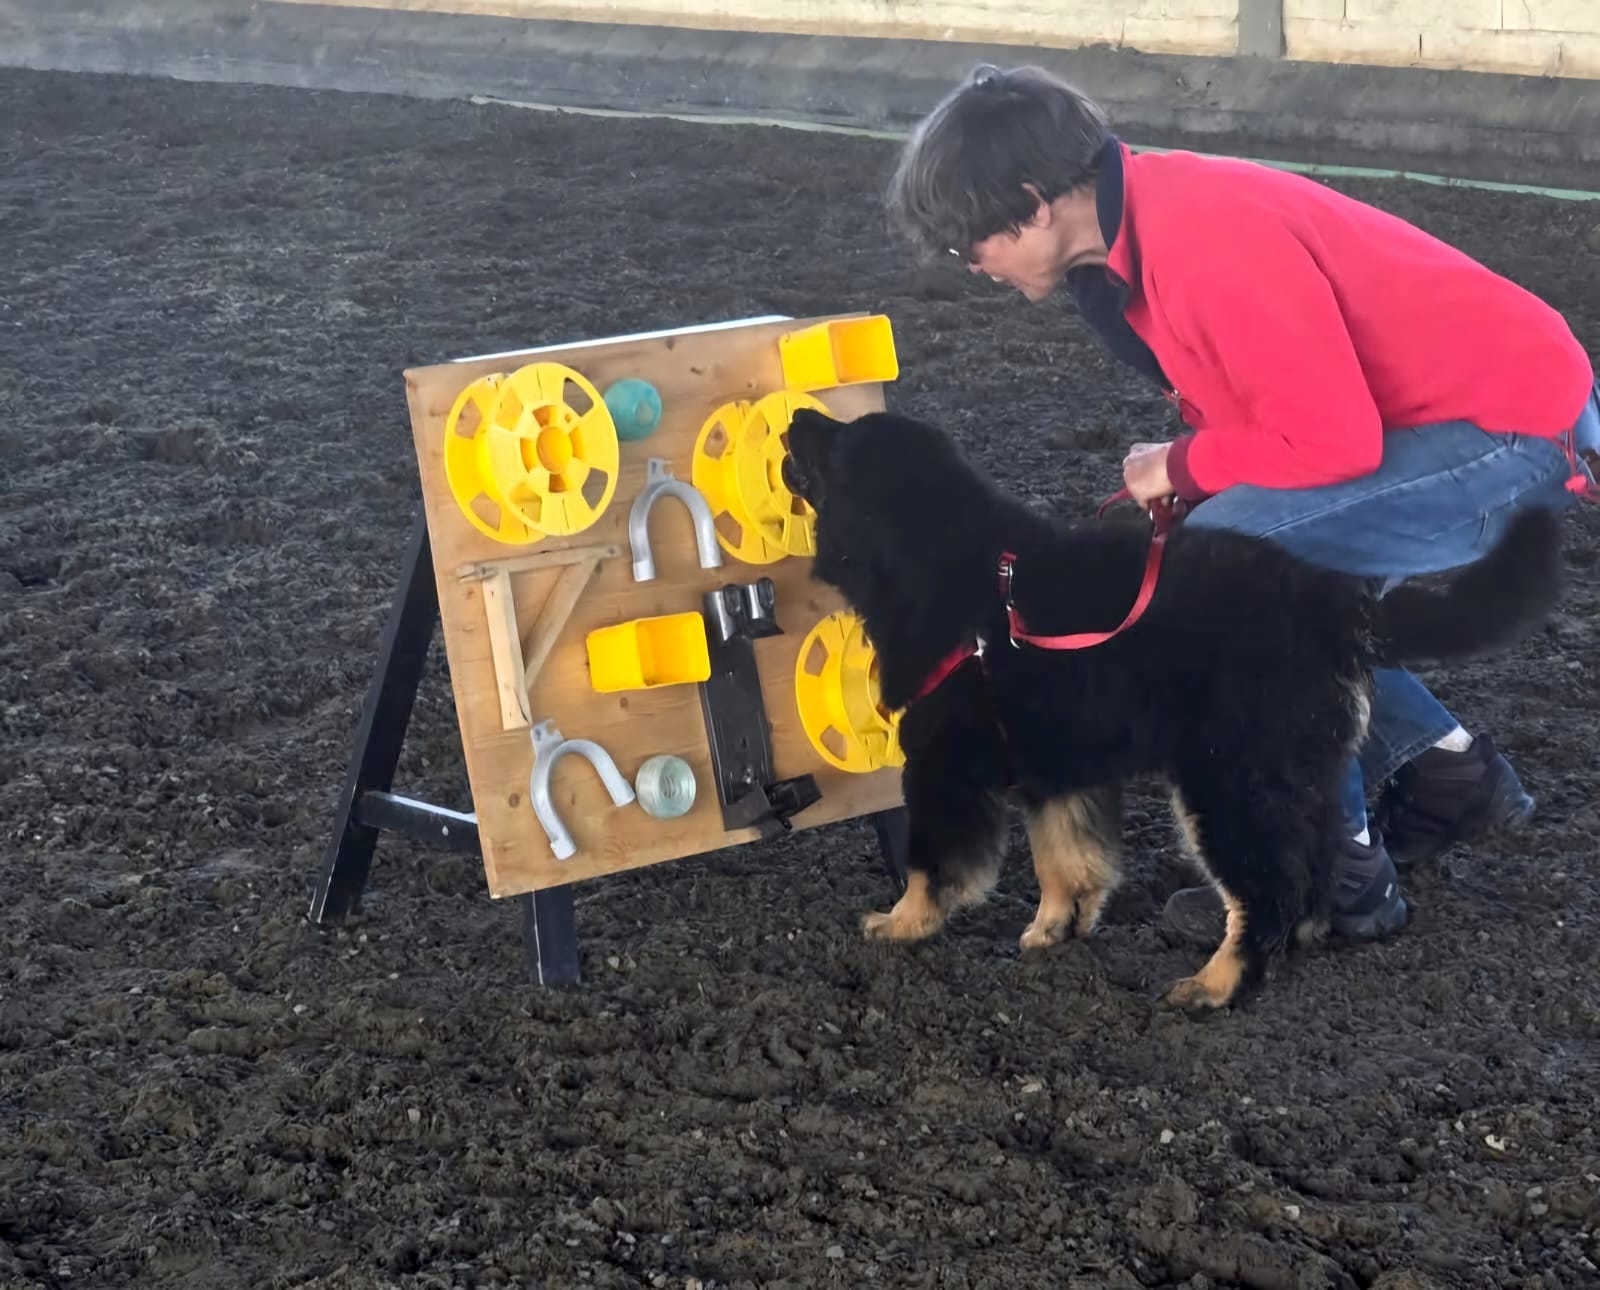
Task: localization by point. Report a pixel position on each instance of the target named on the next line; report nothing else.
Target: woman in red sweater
(1351, 387)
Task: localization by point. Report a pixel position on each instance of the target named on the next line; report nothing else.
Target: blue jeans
(1439, 499)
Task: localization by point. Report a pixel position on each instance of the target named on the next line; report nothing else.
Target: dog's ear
(810, 440)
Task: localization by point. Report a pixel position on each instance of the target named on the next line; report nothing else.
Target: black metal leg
(893, 828)
(402, 653)
(436, 825)
(550, 936)
(367, 806)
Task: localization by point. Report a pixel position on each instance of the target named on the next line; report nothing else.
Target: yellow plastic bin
(645, 653)
(845, 351)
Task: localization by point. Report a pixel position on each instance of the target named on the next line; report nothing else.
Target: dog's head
(808, 463)
(899, 513)
(816, 469)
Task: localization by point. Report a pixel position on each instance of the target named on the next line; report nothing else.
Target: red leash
(1578, 482)
(1164, 515)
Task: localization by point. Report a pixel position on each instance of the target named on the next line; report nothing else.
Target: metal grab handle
(659, 483)
(549, 747)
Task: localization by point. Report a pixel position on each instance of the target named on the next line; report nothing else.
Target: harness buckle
(1007, 573)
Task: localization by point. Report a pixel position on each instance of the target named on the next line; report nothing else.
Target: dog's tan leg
(1217, 983)
(920, 911)
(1076, 856)
(1189, 831)
(915, 915)
(1214, 985)
(955, 843)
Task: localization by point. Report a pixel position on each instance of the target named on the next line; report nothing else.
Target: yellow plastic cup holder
(843, 351)
(647, 653)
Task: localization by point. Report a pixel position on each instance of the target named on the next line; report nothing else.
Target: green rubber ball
(635, 407)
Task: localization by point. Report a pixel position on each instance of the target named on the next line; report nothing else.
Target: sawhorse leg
(402, 653)
(550, 936)
(366, 805)
(893, 828)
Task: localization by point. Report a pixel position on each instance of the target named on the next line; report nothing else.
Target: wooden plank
(517, 663)
(511, 680)
(553, 620)
(696, 370)
(539, 560)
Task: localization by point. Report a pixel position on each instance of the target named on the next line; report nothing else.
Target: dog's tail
(1488, 605)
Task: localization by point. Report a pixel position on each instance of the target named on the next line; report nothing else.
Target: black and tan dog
(1245, 683)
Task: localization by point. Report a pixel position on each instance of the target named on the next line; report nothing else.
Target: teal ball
(635, 407)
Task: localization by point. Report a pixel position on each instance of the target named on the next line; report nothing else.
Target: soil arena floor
(206, 477)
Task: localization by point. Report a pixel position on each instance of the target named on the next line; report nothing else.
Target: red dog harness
(1163, 516)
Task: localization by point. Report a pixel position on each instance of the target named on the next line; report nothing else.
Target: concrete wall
(1481, 125)
(1153, 26)
(1537, 37)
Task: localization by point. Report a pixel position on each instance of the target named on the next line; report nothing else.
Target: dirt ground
(206, 477)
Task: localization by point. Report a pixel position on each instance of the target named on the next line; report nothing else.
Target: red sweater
(1296, 325)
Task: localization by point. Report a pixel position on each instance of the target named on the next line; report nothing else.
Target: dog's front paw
(915, 915)
(896, 925)
(1040, 936)
(1091, 904)
(1051, 927)
(1197, 993)
(1036, 937)
(876, 927)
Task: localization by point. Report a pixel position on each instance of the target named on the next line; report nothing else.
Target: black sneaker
(1440, 798)
(1196, 916)
(1367, 901)
(1367, 904)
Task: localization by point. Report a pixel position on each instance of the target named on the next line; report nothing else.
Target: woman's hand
(1144, 472)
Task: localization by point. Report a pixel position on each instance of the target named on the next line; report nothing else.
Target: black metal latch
(736, 718)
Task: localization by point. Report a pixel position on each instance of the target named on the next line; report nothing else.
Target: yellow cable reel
(758, 473)
(548, 469)
(840, 698)
(737, 466)
(465, 436)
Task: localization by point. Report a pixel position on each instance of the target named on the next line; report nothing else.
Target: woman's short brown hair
(960, 176)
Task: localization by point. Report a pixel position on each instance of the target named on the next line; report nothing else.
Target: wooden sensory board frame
(696, 370)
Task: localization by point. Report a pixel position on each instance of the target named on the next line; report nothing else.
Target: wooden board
(696, 370)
